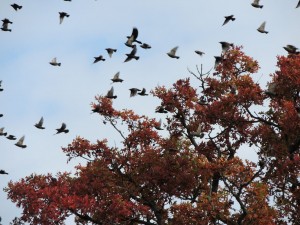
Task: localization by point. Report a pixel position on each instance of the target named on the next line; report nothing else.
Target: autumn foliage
(176, 176)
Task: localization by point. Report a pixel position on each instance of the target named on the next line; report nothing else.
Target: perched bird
(298, 5)
(203, 100)
(16, 6)
(62, 129)
(225, 46)
(199, 52)
(132, 55)
(110, 51)
(291, 49)
(133, 38)
(62, 15)
(39, 125)
(117, 78)
(256, 4)
(11, 137)
(110, 93)
(228, 18)
(198, 133)
(143, 92)
(271, 89)
(145, 46)
(133, 91)
(161, 109)
(172, 53)
(20, 143)
(3, 172)
(261, 28)
(2, 132)
(99, 58)
(158, 126)
(54, 62)
(5, 25)
(218, 60)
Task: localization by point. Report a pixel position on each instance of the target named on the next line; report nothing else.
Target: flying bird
(161, 109)
(1, 89)
(11, 137)
(172, 53)
(1, 115)
(228, 18)
(54, 62)
(97, 109)
(5, 25)
(5, 20)
(158, 126)
(110, 94)
(39, 125)
(133, 38)
(67, 0)
(225, 46)
(298, 5)
(199, 52)
(133, 91)
(16, 6)
(145, 46)
(198, 133)
(256, 4)
(62, 129)
(117, 78)
(143, 92)
(218, 60)
(291, 49)
(3, 172)
(2, 132)
(62, 15)
(261, 28)
(132, 55)
(110, 51)
(20, 143)
(99, 58)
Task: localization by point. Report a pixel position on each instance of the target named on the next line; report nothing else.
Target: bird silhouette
(62, 15)
(218, 60)
(5, 25)
(1, 115)
(172, 53)
(199, 52)
(225, 46)
(161, 109)
(117, 78)
(110, 94)
(143, 92)
(11, 137)
(132, 55)
(54, 62)
(2, 132)
(110, 51)
(203, 100)
(99, 58)
(133, 91)
(62, 129)
(271, 90)
(1, 89)
(16, 6)
(39, 125)
(145, 46)
(256, 4)
(228, 18)
(20, 143)
(132, 38)
(261, 28)
(158, 125)
(291, 49)
(67, 0)
(97, 109)
(198, 133)
(3, 172)
(298, 5)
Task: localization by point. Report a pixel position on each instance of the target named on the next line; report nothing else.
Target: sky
(33, 88)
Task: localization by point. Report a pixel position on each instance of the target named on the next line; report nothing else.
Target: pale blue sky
(33, 88)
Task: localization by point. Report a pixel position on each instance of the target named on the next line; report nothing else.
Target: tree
(191, 172)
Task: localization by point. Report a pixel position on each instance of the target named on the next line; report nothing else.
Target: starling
(97, 109)
(161, 109)
(199, 52)
(261, 28)
(5, 25)
(6, 21)
(2, 132)
(217, 61)
(132, 55)
(298, 5)
(158, 126)
(110, 93)
(143, 92)
(1, 89)
(54, 62)
(271, 89)
(62, 129)
(291, 49)
(202, 100)
(198, 133)
(132, 38)
(145, 46)
(225, 46)
(1, 115)
(110, 51)
(172, 53)
(256, 4)
(20, 143)
(228, 18)
(3, 172)
(39, 125)
(117, 78)
(67, 0)
(62, 15)
(11, 137)
(16, 6)
(99, 58)
(133, 91)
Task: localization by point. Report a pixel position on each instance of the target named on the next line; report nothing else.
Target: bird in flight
(20, 143)
(3, 172)
(145, 46)
(291, 49)
(5, 25)
(256, 4)
(11, 137)
(2, 132)
(110, 94)
(99, 58)
(117, 78)
(261, 28)
(110, 51)
(62, 129)
(218, 60)
(133, 38)
(133, 91)
(16, 6)
(143, 92)
(228, 18)
(199, 52)
(39, 125)
(132, 55)
(1, 89)
(62, 15)
(225, 46)
(54, 62)
(298, 5)
(172, 53)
